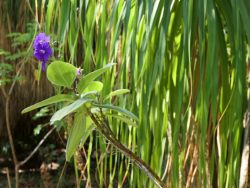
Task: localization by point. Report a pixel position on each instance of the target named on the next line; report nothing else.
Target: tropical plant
(185, 63)
(89, 107)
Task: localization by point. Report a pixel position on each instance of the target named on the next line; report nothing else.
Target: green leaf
(49, 13)
(79, 133)
(37, 129)
(94, 86)
(89, 94)
(64, 19)
(61, 74)
(245, 15)
(51, 100)
(123, 118)
(84, 82)
(116, 92)
(118, 109)
(69, 109)
(2, 52)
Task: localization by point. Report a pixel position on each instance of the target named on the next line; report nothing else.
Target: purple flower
(42, 49)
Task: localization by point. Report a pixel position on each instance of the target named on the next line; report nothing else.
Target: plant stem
(37, 147)
(8, 177)
(108, 134)
(13, 151)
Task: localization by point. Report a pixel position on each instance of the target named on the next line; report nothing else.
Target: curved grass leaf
(49, 14)
(116, 92)
(123, 118)
(64, 19)
(118, 109)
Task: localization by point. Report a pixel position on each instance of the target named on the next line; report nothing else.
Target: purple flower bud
(42, 49)
(78, 71)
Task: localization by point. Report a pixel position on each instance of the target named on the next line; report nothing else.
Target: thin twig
(4, 92)
(12, 147)
(37, 147)
(8, 177)
(29, 6)
(61, 175)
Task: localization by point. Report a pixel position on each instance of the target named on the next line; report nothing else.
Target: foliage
(19, 42)
(5, 72)
(185, 65)
(83, 101)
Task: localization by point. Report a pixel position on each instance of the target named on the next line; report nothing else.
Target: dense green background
(186, 66)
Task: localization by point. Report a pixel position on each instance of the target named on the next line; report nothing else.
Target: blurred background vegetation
(185, 62)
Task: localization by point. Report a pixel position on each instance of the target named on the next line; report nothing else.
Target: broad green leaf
(84, 82)
(51, 100)
(61, 74)
(79, 132)
(94, 86)
(117, 92)
(69, 109)
(118, 109)
(123, 118)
